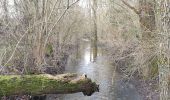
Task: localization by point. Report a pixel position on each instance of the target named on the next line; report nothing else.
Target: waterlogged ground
(102, 72)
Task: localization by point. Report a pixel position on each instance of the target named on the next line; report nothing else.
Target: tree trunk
(164, 58)
(6, 12)
(95, 36)
(46, 84)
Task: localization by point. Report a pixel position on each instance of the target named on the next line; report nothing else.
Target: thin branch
(73, 3)
(59, 21)
(131, 7)
(19, 41)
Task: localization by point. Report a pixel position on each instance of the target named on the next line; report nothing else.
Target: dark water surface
(103, 73)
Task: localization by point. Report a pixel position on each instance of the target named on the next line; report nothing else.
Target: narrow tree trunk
(6, 12)
(46, 84)
(95, 38)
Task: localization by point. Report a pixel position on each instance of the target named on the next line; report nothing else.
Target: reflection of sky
(100, 71)
(87, 56)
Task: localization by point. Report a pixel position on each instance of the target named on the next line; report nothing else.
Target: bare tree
(164, 64)
(32, 28)
(146, 12)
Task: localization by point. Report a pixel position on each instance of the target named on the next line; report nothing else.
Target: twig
(19, 41)
(58, 21)
(131, 7)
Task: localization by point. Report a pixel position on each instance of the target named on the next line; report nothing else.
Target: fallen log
(46, 84)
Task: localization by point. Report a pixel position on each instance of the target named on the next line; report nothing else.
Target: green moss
(154, 67)
(9, 65)
(49, 49)
(33, 84)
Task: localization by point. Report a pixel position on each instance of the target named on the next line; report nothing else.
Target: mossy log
(46, 84)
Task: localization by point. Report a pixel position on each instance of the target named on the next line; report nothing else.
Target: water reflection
(103, 73)
(87, 56)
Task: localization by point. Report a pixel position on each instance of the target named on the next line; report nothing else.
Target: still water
(103, 73)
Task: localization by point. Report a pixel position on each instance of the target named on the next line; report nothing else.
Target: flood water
(103, 73)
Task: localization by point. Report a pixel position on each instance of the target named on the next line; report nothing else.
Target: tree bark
(46, 84)
(164, 46)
